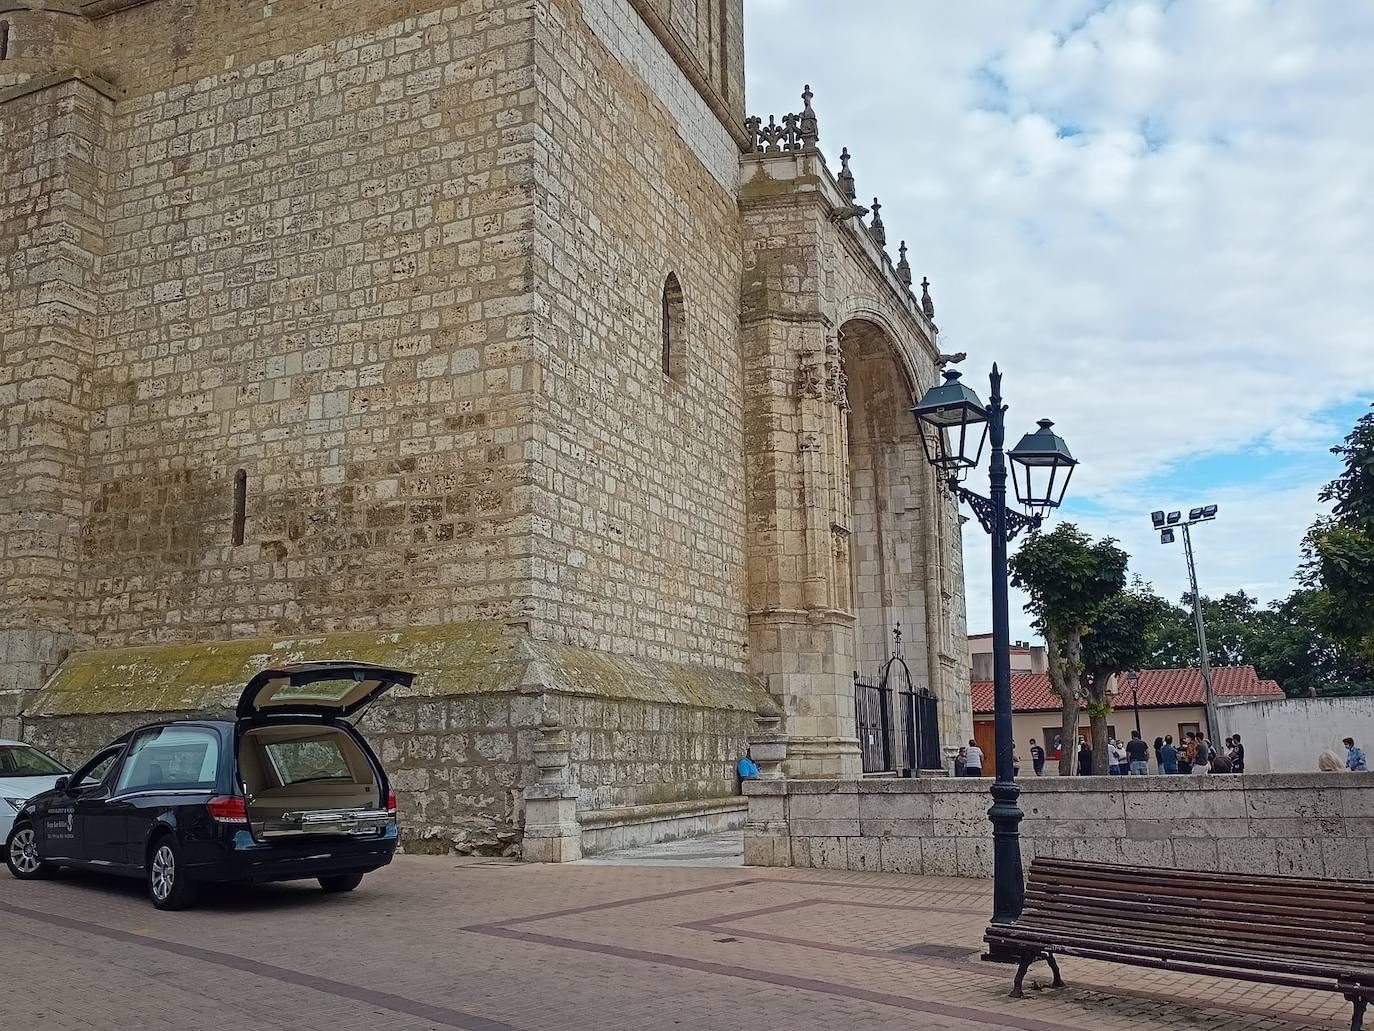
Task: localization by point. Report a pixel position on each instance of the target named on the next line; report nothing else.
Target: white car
(24, 772)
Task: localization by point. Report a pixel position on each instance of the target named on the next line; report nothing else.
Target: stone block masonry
(317, 272)
(1307, 825)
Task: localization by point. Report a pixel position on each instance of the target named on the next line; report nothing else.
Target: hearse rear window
(315, 759)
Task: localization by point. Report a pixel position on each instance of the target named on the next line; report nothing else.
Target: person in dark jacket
(1137, 755)
(1085, 758)
(1168, 756)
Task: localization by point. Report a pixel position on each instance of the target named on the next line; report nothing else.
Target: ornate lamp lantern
(954, 426)
(1040, 469)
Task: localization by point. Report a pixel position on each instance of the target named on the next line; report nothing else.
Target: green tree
(1339, 549)
(1291, 646)
(1121, 638)
(1069, 579)
(1232, 622)
(1287, 642)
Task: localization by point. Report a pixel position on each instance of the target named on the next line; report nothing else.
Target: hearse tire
(338, 883)
(168, 885)
(21, 855)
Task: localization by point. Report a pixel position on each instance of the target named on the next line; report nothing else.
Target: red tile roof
(1030, 692)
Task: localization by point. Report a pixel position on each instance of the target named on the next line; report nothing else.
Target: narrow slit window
(672, 327)
(4, 40)
(240, 504)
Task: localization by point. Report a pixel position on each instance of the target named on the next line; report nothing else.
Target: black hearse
(288, 790)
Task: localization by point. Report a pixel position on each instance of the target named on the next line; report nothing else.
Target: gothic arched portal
(896, 518)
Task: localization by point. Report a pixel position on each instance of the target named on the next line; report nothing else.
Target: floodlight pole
(1206, 665)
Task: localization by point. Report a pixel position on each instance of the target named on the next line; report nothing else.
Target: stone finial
(808, 128)
(877, 228)
(927, 305)
(768, 743)
(904, 266)
(846, 177)
(551, 751)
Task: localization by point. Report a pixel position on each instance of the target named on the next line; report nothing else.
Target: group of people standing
(1195, 754)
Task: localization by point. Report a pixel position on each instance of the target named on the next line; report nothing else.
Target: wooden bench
(1292, 931)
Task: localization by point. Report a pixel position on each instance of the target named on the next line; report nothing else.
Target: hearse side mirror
(61, 784)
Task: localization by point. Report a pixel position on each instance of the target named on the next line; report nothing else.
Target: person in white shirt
(1118, 758)
(973, 760)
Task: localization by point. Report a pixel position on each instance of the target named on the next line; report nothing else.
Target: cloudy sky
(1157, 217)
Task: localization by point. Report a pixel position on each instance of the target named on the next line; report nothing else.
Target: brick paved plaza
(486, 945)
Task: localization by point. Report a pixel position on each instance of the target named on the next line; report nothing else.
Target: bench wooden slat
(1127, 917)
(1214, 891)
(1218, 960)
(1295, 915)
(1335, 957)
(1206, 969)
(1295, 931)
(1358, 889)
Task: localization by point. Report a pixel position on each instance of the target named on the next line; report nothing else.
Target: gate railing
(917, 720)
(872, 716)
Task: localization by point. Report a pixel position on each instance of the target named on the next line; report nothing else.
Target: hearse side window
(171, 758)
(94, 775)
(313, 759)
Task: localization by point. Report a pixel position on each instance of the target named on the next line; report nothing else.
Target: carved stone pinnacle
(877, 228)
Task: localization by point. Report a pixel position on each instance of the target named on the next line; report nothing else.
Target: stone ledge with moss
(458, 743)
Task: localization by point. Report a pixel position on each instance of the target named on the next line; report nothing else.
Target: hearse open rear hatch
(335, 688)
(304, 773)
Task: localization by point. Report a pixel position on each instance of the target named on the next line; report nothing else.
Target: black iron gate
(872, 715)
(917, 720)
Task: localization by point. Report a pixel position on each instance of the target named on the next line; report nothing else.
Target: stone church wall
(316, 272)
(55, 135)
(641, 549)
(342, 317)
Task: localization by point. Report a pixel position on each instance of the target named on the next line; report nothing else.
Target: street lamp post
(1165, 523)
(1133, 678)
(950, 417)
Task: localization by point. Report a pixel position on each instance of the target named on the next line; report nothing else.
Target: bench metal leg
(1054, 967)
(1026, 960)
(1357, 1014)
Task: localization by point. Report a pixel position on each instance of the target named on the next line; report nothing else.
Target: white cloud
(1155, 216)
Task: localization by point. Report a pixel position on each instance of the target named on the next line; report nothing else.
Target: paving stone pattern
(489, 945)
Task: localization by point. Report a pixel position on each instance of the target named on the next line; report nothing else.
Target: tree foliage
(1071, 580)
(1285, 642)
(1339, 549)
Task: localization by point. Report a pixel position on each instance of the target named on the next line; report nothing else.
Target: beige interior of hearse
(293, 768)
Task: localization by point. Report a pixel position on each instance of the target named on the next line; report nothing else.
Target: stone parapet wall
(1312, 825)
